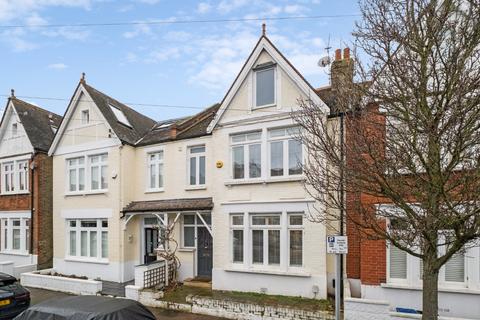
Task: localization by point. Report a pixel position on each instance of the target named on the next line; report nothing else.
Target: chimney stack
(341, 76)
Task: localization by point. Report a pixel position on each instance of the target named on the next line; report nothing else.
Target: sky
(186, 66)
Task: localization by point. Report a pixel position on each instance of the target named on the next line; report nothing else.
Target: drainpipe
(32, 202)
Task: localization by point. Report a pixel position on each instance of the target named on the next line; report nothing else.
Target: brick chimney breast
(341, 74)
(338, 55)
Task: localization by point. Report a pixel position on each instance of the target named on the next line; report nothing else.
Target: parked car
(87, 308)
(14, 298)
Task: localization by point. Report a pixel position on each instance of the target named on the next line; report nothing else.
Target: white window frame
(196, 224)
(6, 227)
(87, 169)
(284, 227)
(99, 229)
(255, 72)
(246, 155)
(159, 164)
(197, 157)
(285, 139)
(14, 176)
(236, 227)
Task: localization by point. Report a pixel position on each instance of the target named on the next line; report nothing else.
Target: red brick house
(26, 132)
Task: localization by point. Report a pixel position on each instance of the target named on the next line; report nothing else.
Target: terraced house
(26, 132)
(228, 179)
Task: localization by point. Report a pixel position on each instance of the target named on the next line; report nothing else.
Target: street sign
(337, 244)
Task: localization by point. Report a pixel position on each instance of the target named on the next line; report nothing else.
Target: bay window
(246, 155)
(15, 235)
(196, 166)
(88, 239)
(286, 155)
(272, 240)
(15, 176)
(87, 173)
(155, 170)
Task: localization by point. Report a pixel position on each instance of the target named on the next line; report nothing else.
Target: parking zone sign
(337, 244)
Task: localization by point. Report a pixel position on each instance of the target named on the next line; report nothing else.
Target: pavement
(39, 295)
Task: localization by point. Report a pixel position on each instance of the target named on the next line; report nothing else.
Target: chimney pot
(346, 53)
(338, 54)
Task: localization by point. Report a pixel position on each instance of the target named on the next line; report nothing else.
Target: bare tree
(412, 132)
(169, 252)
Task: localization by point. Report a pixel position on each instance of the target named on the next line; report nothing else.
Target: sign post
(337, 245)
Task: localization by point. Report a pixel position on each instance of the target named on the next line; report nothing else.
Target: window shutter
(455, 268)
(398, 263)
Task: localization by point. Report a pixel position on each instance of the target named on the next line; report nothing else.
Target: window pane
(398, 263)
(207, 218)
(93, 243)
(237, 220)
(296, 220)
(193, 171)
(294, 157)
(153, 175)
(238, 163)
(276, 158)
(275, 133)
(16, 223)
(188, 219)
(88, 224)
(257, 246)
(189, 236)
(72, 180)
(83, 243)
(201, 168)
(81, 179)
(455, 268)
(73, 223)
(160, 175)
(73, 243)
(104, 223)
(265, 87)
(258, 220)
(104, 180)
(273, 246)
(104, 244)
(252, 136)
(94, 178)
(255, 161)
(199, 149)
(239, 138)
(237, 245)
(16, 239)
(296, 241)
(27, 235)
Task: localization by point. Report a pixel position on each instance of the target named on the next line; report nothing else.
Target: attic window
(264, 86)
(14, 129)
(120, 116)
(85, 117)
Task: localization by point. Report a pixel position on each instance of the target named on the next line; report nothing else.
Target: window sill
(440, 288)
(233, 182)
(15, 253)
(74, 194)
(192, 188)
(271, 105)
(14, 193)
(186, 250)
(155, 190)
(86, 260)
(234, 268)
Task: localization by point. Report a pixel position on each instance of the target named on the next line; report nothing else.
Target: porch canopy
(157, 207)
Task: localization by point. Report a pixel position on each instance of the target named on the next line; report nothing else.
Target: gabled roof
(181, 128)
(130, 135)
(38, 123)
(264, 44)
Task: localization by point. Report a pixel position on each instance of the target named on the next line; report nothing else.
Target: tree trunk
(430, 289)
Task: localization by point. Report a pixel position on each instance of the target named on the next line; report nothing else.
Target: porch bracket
(204, 223)
(126, 222)
(164, 223)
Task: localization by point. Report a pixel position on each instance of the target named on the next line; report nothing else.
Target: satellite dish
(323, 62)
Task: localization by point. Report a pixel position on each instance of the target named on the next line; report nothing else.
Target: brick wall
(43, 210)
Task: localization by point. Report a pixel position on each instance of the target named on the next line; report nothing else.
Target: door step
(198, 282)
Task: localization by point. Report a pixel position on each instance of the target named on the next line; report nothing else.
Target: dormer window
(264, 75)
(85, 116)
(14, 129)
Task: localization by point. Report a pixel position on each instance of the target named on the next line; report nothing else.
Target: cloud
(57, 66)
(15, 40)
(163, 55)
(149, 1)
(138, 29)
(226, 6)
(294, 9)
(69, 33)
(204, 7)
(13, 9)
